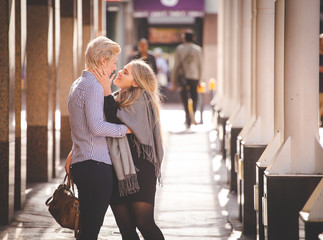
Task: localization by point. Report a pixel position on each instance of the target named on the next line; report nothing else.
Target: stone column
(7, 109)
(262, 130)
(297, 167)
(102, 23)
(87, 18)
(277, 140)
(241, 94)
(20, 104)
(56, 87)
(244, 63)
(66, 72)
(226, 110)
(39, 90)
(78, 39)
(217, 101)
(301, 148)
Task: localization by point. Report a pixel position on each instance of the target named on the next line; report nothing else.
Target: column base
(221, 127)
(232, 135)
(260, 171)
(309, 230)
(37, 154)
(284, 197)
(250, 155)
(6, 184)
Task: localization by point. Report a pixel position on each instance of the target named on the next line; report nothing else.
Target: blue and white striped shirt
(88, 126)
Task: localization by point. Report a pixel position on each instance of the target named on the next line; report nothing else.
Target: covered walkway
(194, 202)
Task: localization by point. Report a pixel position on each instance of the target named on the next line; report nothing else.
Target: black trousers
(191, 87)
(94, 184)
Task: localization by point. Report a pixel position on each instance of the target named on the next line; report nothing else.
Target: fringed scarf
(142, 119)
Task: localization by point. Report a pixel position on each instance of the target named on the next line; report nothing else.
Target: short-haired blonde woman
(136, 158)
(89, 160)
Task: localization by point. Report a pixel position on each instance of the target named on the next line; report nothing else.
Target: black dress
(145, 170)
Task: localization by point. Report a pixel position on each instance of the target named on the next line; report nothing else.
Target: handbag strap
(70, 183)
(70, 187)
(76, 225)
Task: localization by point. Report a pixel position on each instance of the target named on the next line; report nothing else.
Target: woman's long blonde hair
(145, 77)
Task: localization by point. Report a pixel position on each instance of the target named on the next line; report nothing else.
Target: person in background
(89, 161)
(134, 51)
(162, 70)
(144, 54)
(136, 158)
(189, 55)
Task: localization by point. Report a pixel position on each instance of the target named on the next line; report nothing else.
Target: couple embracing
(117, 144)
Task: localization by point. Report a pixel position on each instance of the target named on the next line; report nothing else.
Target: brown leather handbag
(64, 206)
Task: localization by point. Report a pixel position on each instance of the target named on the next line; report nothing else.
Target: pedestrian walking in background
(89, 160)
(144, 54)
(188, 57)
(136, 158)
(162, 70)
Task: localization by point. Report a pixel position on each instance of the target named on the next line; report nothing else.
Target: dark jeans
(192, 84)
(94, 184)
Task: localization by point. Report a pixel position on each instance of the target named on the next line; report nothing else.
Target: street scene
(176, 119)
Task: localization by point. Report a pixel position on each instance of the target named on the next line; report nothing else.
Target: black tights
(130, 216)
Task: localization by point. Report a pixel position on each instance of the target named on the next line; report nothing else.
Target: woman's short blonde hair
(98, 48)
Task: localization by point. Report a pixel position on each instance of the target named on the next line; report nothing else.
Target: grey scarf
(141, 118)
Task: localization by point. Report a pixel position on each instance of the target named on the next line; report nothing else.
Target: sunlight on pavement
(173, 119)
(223, 197)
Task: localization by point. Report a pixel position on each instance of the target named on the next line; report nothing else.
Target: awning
(168, 8)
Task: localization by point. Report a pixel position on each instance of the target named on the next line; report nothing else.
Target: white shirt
(88, 126)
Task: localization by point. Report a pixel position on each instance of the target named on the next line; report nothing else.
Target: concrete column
(56, 87)
(20, 104)
(66, 72)
(87, 23)
(120, 35)
(234, 56)
(278, 138)
(301, 152)
(232, 130)
(263, 129)
(226, 110)
(102, 18)
(244, 64)
(210, 45)
(252, 68)
(39, 90)
(232, 70)
(78, 39)
(7, 109)
(217, 101)
(297, 166)
(129, 38)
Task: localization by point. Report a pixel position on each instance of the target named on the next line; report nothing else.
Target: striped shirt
(88, 126)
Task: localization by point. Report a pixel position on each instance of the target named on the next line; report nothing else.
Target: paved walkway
(194, 202)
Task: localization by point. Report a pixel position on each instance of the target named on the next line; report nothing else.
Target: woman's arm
(110, 109)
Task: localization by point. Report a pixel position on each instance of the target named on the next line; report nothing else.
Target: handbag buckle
(77, 206)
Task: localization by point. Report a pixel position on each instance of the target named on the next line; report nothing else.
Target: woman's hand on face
(104, 79)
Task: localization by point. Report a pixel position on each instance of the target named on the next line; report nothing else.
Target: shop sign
(168, 8)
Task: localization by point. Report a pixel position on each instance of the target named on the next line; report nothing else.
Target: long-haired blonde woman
(137, 157)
